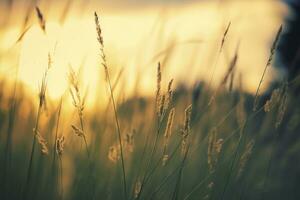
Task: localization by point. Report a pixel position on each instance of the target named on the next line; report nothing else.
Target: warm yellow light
(133, 41)
(69, 46)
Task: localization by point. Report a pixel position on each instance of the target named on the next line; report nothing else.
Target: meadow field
(78, 123)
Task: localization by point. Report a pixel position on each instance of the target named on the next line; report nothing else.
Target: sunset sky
(184, 35)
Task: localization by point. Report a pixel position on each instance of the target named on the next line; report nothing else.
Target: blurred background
(183, 35)
(197, 43)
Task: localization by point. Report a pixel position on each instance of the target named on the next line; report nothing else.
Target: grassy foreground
(184, 143)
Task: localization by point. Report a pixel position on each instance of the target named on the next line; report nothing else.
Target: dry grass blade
(131, 144)
(218, 54)
(158, 88)
(169, 94)
(245, 157)
(79, 104)
(56, 131)
(186, 129)
(224, 36)
(272, 51)
(104, 64)
(282, 107)
(22, 34)
(37, 136)
(229, 73)
(41, 19)
(168, 130)
(230, 69)
(167, 135)
(214, 149)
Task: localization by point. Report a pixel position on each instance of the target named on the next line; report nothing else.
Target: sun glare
(68, 46)
(132, 41)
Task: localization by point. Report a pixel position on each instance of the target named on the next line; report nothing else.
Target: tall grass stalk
(219, 54)
(61, 178)
(234, 132)
(79, 104)
(268, 171)
(55, 143)
(161, 107)
(150, 158)
(279, 118)
(104, 64)
(42, 100)
(227, 180)
(272, 52)
(254, 109)
(176, 190)
(56, 133)
(197, 186)
(242, 128)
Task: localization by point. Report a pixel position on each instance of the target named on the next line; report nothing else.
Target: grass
(219, 144)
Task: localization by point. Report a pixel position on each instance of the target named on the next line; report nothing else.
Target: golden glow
(134, 40)
(69, 46)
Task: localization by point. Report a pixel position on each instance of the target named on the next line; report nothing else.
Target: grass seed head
(282, 109)
(187, 119)
(98, 29)
(214, 149)
(101, 42)
(169, 94)
(78, 131)
(137, 189)
(114, 153)
(245, 157)
(168, 130)
(42, 142)
(78, 101)
(165, 159)
(224, 36)
(273, 101)
(186, 129)
(161, 107)
(60, 144)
